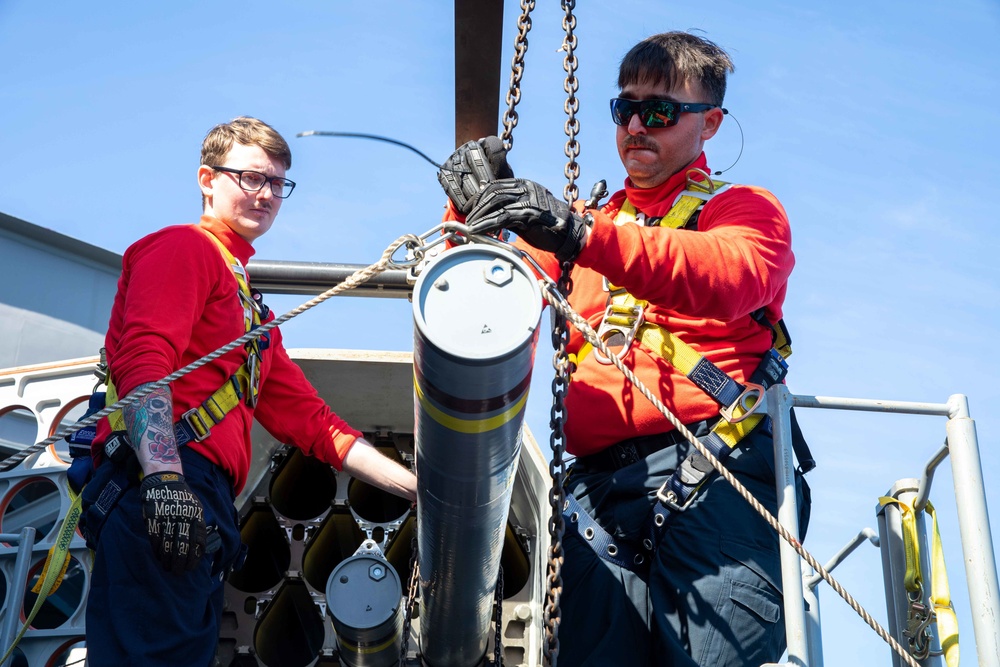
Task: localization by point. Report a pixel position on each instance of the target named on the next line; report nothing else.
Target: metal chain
(411, 597)
(517, 70)
(557, 471)
(498, 621)
(552, 614)
(572, 104)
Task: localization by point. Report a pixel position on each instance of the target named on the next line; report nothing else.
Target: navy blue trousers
(137, 612)
(712, 596)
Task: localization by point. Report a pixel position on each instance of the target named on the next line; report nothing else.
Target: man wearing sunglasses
(674, 261)
(159, 510)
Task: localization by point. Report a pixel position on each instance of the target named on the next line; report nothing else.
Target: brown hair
(674, 57)
(249, 132)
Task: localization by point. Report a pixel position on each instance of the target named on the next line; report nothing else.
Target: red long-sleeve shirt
(700, 284)
(177, 301)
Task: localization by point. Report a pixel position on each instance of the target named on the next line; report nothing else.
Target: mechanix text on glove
(174, 519)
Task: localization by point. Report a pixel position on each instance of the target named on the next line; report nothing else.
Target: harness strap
(679, 490)
(195, 424)
(253, 310)
(618, 552)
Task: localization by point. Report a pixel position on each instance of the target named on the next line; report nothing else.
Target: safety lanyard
(941, 611)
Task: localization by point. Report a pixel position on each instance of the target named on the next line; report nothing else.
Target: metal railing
(802, 630)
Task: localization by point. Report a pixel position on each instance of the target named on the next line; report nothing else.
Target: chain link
(517, 70)
(552, 614)
(411, 598)
(557, 471)
(498, 621)
(572, 104)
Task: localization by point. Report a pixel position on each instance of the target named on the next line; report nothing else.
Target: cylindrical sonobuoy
(363, 596)
(476, 312)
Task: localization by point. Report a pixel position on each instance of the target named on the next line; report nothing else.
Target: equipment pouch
(100, 497)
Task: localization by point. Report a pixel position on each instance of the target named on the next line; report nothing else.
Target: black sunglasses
(653, 113)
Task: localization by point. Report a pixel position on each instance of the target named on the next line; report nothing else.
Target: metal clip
(192, 416)
(631, 319)
(670, 500)
(752, 390)
(918, 620)
(253, 389)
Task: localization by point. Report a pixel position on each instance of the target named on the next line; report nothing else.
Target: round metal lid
(477, 302)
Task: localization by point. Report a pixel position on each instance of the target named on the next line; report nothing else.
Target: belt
(629, 451)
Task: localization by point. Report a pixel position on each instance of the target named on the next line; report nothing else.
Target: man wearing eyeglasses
(159, 512)
(682, 278)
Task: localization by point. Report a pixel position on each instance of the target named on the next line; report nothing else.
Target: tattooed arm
(151, 430)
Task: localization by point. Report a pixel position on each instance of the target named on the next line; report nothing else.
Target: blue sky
(874, 123)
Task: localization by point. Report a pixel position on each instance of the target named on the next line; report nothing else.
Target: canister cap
(363, 592)
(477, 302)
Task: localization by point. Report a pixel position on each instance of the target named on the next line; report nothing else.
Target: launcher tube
(476, 313)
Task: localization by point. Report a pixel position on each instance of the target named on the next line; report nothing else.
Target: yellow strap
(681, 212)
(947, 621)
(665, 343)
(116, 419)
(250, 316)
(911, 546)
(940, 596)
(53, 570)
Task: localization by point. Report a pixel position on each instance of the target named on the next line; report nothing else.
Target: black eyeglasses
(653, 113)
(253, 181)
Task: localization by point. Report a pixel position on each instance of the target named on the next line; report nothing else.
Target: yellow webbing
(666, 344)
(215, 407)
(53, 571)
(947, 621)
(940, 597)
(225, 397)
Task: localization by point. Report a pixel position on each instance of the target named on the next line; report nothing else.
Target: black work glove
(175, 520)
(533, 213)
(470, 167)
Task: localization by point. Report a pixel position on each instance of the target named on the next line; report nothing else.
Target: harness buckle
(752, 391)
(196, 423)
(622, 320)
(669, 499)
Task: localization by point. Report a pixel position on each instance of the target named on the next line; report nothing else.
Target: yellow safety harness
(194, 425)
(243, 385)
(919, 616)
(623, 324)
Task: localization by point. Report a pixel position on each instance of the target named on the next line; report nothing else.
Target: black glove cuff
(575, 239)
(160, 478)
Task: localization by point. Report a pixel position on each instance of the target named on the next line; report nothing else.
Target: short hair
(249, 132)
(674, 57)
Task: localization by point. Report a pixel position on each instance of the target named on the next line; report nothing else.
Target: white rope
(552, 295)
(354, 280)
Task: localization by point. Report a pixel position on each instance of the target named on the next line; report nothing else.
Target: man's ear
(205, 176)
(713, 119)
